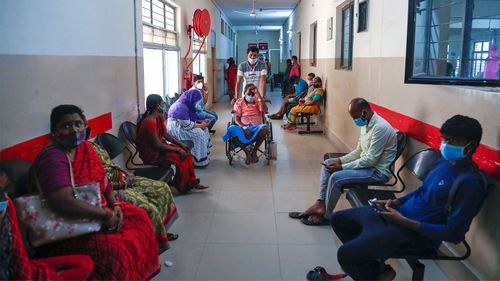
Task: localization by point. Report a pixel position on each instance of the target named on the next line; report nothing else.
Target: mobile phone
(377, 206)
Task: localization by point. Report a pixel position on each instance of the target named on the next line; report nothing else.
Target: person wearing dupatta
(155, 197)
(126, 247)
(157, 147)
(183, 123)
(309, 105)
(16, 264)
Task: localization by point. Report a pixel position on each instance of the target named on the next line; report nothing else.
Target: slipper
(172, 236)
(298, 215)
(290, 128)
(322, 221)
(275, 117)
(199, 188)
(319, 273)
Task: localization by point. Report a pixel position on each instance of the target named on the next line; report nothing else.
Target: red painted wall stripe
(28, 150)
(486, 157)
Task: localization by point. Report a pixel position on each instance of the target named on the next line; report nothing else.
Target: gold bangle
(117, 204)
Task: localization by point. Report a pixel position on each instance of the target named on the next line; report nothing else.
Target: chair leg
(308, 130)
(418, 269)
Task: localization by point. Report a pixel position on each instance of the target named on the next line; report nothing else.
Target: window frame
(367, 4)
(313, 46)
(410, 52)
(349, 6)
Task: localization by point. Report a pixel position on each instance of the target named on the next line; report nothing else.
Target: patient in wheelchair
(248, 124)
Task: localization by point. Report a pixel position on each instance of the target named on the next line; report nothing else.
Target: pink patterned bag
(45, 226)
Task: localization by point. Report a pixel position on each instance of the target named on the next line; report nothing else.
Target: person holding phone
(417, 220)
(368, 163)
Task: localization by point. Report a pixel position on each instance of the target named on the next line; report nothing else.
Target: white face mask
(250, 99)
(199, 86)
(309, 82)
(253, 61)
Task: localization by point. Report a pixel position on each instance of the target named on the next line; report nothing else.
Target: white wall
(245, 37)
(55, 52)
(67, 28)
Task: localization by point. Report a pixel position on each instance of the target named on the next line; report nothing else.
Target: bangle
(117, 204)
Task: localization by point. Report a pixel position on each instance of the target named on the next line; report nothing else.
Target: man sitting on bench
(369, 163)
(372, 234)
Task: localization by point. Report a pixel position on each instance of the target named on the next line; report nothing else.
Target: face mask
(309, 83)
(3, 205)
(199, 86)
(199, 106)
(452, 152)
(361, 121)
(249, 99)
(73, 140)
(253, 61)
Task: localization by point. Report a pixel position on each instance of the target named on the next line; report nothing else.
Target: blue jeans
(210, 115)
(367, 241)
(330, 185)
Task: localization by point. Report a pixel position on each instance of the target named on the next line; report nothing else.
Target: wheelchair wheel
(229, 154)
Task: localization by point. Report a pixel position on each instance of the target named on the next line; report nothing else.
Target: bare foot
(255, 158)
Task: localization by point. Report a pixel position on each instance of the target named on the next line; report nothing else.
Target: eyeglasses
(72, 124)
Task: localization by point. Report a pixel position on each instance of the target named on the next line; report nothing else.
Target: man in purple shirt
(371, 235)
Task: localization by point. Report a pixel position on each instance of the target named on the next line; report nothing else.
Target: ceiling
(270, 14)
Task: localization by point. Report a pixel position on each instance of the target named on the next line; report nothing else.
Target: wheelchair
(232, 148)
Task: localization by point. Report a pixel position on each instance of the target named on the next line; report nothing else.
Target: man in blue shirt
(371, 236)
(301, 89)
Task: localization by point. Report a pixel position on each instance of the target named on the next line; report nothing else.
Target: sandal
(319, 274)
(172, 236)
(321, 221)
(199, 188)
(275, 117)
(299, 215)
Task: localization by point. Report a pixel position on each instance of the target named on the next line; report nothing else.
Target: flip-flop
(299, 215)
(319, 274)
(322, 221)
(172, 236)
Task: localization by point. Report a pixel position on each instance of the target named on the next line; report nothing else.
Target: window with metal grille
(159, 25)
(453, 42)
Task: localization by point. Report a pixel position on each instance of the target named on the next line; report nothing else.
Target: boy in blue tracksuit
(369, 237)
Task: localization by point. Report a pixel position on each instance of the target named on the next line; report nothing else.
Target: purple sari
(185, 107)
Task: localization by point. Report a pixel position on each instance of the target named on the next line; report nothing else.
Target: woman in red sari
(126, 248)
(156, 146)
(231, 78)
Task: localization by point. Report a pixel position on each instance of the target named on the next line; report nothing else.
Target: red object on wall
(263, 46)
(252, 45)
(487, 158)
(28, 150)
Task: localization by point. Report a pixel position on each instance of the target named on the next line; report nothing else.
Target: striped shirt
(252, 75)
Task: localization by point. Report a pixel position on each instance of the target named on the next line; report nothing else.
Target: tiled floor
(240, 230)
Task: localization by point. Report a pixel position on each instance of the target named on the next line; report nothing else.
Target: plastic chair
(18, 172)
(115, 147)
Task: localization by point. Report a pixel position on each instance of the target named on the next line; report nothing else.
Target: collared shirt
(250, 74)
(376, 147)
(249, 112)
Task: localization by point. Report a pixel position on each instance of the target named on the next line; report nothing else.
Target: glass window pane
(456, 39)
(172, 72)
(153, 72)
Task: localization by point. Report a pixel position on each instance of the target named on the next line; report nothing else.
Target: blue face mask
(164, 109)
(3, 205)
(360, 122)
(452, 152)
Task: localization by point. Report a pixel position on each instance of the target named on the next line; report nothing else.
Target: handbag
(45, 226)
